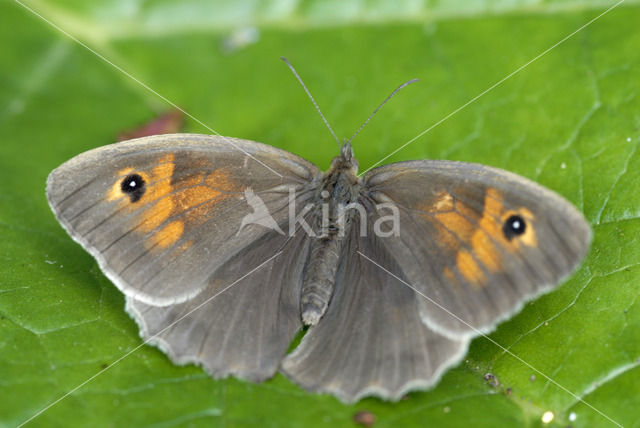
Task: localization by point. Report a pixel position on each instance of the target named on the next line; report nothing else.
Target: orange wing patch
(159, 186)
(489, 236)
(163, 200)
(446, 211)
(469, 268)
(168, 235)
(190, 198)
(459, 227)
(481, 236)
(221, 179)
(482, 241)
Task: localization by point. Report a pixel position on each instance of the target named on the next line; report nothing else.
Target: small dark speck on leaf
(364, 418)
(491, 380)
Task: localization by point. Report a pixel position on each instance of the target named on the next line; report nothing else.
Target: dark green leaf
(568, 120)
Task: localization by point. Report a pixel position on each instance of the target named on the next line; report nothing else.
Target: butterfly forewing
(162, 213)
(476, 241)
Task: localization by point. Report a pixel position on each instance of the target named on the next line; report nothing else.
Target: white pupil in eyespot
(516, 224)
(132, 183)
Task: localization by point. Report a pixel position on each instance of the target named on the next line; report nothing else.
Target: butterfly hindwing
(371, 340)
(244, 321)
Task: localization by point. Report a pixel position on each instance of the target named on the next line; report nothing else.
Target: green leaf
(568, 120)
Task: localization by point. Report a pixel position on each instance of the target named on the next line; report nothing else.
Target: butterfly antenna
(380, 106)
(295, 73)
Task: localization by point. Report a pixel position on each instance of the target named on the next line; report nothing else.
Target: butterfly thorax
(332, 221)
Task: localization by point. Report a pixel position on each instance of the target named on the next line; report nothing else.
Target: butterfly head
(346, 160)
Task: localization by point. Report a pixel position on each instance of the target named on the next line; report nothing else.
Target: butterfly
(227, 248)
(388, 310)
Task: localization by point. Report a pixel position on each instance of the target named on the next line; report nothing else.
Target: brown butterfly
(226, 248)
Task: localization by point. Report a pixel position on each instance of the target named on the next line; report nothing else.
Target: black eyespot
(514, 226)
(133, 185)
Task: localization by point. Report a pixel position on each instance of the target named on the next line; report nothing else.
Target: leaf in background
(569, 120)
(166, 123)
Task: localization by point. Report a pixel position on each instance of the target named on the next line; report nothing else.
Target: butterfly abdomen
(318, 283)
(332, 223)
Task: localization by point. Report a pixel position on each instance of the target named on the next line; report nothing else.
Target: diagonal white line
(498, 83)
(44, 409)
(144, 85)
(479, 333)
